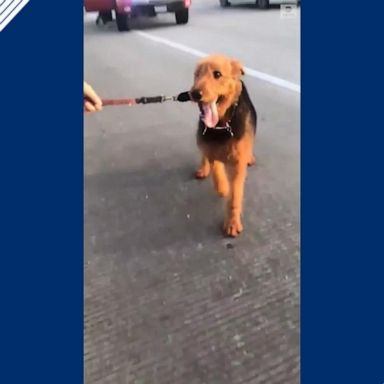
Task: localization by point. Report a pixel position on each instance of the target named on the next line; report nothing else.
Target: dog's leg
(204, 169)
(220, 179)
(251, 143)
(233, 225)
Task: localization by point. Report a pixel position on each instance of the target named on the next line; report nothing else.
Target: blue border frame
(41, 273)
(342, 193)
(41, 195)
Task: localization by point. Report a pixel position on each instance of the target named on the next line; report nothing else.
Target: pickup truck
(125, 10)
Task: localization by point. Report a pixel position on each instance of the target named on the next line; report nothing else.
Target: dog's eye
(217, 74)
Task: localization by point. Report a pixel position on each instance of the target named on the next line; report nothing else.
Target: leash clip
(229, 129)
(168, 98)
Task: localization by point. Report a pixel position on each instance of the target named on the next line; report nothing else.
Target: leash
(182, 97)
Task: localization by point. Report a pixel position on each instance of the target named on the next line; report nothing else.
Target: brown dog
(226, 131)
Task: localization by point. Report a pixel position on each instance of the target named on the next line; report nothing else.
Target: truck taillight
(187, 3)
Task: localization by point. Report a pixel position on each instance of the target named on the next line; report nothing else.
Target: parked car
(127, 9)
(261, 3)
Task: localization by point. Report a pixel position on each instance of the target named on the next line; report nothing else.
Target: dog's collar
(227, 125)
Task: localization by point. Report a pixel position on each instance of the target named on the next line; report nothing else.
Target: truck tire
(224, 3)
(182, 16)
(106, 16)
(123, 22)
(263, 4)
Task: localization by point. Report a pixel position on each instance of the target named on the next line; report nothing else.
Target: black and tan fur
(226, 153)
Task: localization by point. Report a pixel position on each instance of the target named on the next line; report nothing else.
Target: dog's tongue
(211, 116)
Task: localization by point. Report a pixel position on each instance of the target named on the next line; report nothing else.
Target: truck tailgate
(99, 5)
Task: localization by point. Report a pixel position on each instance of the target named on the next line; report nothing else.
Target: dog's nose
(196, 94)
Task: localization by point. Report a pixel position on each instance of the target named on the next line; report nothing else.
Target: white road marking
(249, 71)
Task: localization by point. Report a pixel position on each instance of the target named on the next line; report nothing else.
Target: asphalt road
(167, 298)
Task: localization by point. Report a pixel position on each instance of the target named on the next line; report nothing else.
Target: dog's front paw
(233, 226)
(202, 173)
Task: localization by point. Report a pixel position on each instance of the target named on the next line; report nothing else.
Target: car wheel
(225, 3)
(106, 16)
(182, 16)
(263, 4)
(123, 21)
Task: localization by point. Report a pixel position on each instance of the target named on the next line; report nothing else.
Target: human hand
(92, 101)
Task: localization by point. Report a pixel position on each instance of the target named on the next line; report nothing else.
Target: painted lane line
(249, 71)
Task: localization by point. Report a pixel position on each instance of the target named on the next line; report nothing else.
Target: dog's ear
(237, 68)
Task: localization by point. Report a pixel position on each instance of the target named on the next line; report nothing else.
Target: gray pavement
(167, 298)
